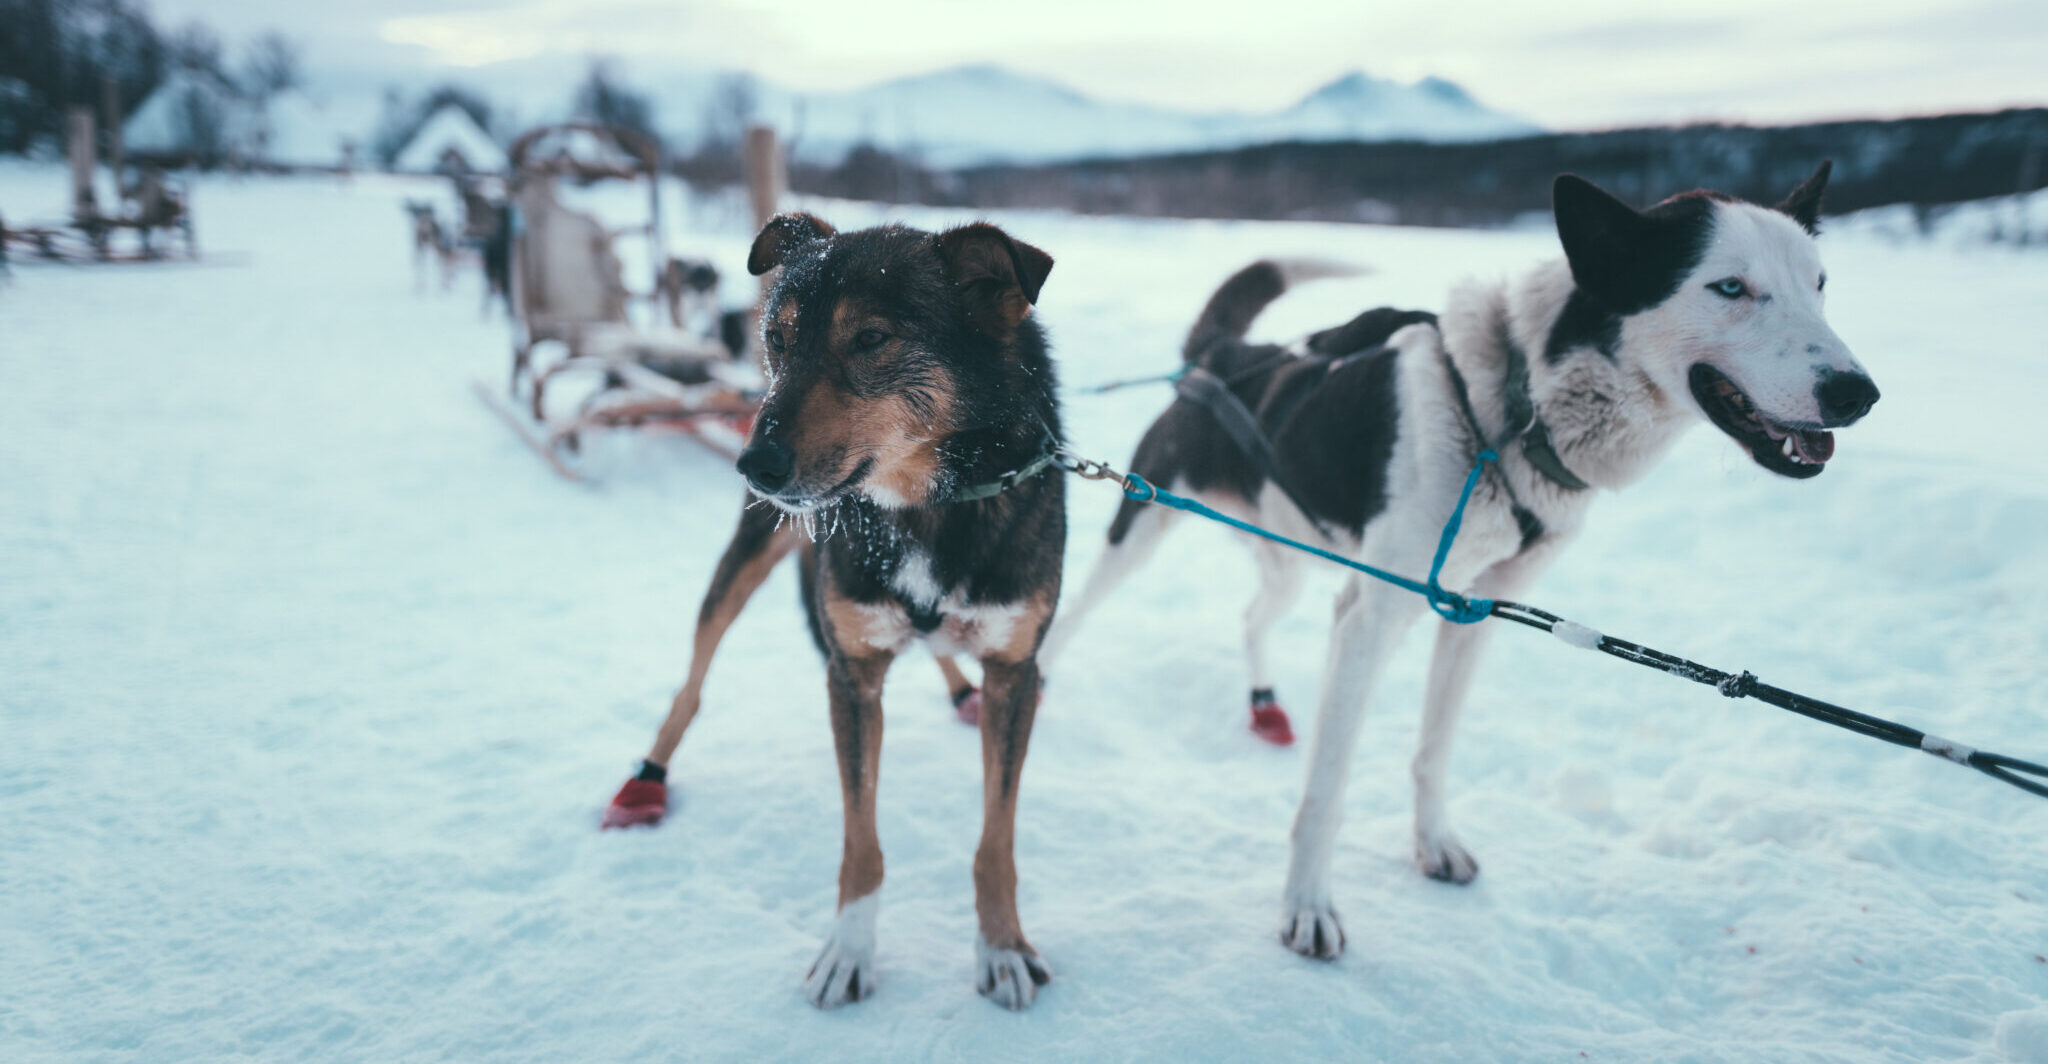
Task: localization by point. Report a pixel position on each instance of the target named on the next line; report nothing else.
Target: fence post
(110, 113)
(79, 150)
(765, 177)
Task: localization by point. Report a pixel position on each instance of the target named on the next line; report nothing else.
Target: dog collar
(989, 489)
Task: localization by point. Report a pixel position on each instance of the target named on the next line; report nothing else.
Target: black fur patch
(1803, 205)
(1336, 446)
(1368, 330)
(1624, 261)
(1584, 323)
(1331, 417)
(1230, 311)
(1529, 524)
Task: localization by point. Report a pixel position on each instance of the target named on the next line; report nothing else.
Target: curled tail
(1238, 301)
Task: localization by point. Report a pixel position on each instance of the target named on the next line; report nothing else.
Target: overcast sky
(1578, 64)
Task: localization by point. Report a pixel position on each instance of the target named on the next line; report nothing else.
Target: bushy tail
(1237, 303)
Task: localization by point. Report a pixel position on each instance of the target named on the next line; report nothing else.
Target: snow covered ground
(313, 683)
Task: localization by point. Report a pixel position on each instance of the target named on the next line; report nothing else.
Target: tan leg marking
(1009, 703)
(741, 570)
(855, 685)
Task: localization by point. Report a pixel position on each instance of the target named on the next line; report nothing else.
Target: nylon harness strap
(989, 489)
(1242, 426)
(1519, 418)
(1521, 422)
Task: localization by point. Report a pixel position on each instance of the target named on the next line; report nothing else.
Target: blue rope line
(1449, 605)
(1157, 378)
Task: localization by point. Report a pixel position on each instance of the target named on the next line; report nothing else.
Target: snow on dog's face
(872, 339)
(1721, 301)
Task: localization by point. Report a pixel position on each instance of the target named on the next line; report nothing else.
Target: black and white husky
(1581, 372)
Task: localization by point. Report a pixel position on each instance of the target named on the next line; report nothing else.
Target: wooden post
(79, 148)
(110, 113)
(762, 163)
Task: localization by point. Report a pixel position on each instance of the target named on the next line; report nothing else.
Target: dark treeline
(55, 54)
(60, 54)
(1944, 159)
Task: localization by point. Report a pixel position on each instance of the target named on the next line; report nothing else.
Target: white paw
(1311, 928)
(1441, 858)
(844, 971)
(1008, 977)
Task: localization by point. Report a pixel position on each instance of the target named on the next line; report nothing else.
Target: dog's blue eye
(1729, 288)
(868, 339)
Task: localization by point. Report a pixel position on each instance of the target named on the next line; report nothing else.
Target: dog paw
(1009, 977)
(1441, 858)
(844, 971)
(840, 976)
(1313, 931)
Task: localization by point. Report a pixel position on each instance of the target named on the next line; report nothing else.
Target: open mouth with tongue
(1783, 449)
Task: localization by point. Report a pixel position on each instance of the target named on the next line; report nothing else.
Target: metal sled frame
(566, 288)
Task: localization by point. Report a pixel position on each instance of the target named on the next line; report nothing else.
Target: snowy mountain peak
(1445, 90)
(981, 79)
(943, 118)
(1358, 89)
(1354, 87)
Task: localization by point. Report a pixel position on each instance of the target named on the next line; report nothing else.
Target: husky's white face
(1724, 304)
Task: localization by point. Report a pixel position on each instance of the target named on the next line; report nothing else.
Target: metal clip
(1090, 469)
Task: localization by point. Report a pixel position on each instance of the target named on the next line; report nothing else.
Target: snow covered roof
(450, 129)
(163, 124)
(303, 132)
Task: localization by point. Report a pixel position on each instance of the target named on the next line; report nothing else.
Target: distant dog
(496, 246)
(902, 452)
(429, 238)
(1581, 372)
(689, 289)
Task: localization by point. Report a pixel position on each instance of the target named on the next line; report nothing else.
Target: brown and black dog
(902, 454)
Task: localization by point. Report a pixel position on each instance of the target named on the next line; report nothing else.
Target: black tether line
(1745, 685)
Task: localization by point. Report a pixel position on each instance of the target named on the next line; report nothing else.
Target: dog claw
(1445, 861)
(1314, 933)
(1010, 977)
(837, 978)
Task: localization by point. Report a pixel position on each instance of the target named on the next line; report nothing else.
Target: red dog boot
(967, 706)
(643, 799)
(1269, 721)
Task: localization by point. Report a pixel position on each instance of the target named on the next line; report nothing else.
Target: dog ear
(1804, 202)
(998, 277)
(783, 234)
(1603, 237)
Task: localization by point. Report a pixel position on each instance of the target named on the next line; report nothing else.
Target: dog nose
(1844, 397)
(767, 465)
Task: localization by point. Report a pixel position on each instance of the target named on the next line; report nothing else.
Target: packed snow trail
(313, 683)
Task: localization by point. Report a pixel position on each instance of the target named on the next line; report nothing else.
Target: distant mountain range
(989, 114)
(981, 114)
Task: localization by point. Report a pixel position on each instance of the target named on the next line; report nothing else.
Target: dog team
(911, 395)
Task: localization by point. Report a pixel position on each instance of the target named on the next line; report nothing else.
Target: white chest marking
(914, 580)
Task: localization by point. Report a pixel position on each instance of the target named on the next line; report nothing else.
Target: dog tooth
(1789, 452)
